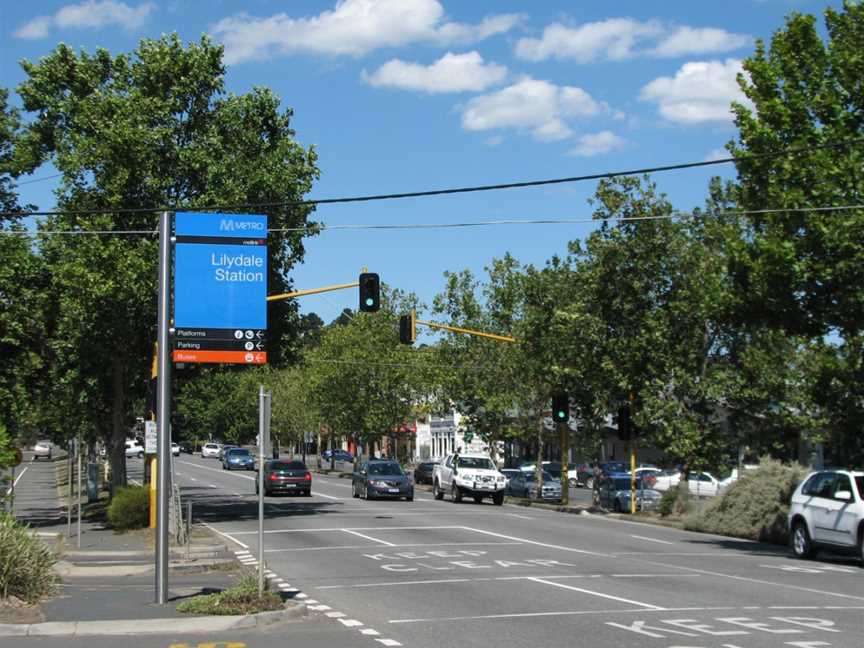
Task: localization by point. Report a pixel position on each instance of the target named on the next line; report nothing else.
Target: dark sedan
(523, 485)
(338, 455)
(237, 459)
(423, 472)
(286, 477)
(381, 478)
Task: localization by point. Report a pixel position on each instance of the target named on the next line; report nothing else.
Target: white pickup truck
(470, 474)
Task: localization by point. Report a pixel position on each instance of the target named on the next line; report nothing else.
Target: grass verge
(242, 598)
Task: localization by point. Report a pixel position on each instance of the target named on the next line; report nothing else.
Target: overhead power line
(452, 190)
(482, 223)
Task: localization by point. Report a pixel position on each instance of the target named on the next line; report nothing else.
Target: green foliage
(667, 501)
(242, 598)
(755, 507)
(129, 508)
(26, 563)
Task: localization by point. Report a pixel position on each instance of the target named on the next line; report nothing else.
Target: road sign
(220, 288)
(150, 437)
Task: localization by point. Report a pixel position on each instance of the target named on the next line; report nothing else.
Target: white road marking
(351, 623)
(227, 473)
(213, 486)
(192, 479)
(534, 542)
(499, 578)
(226, 535)
(135, 482)
(318, 608)
(375, 528)
(415, 544)
(311, 601)
(335, 615)
(521, 517)
(396, 583)
(648, 606)
(17, 479)
(301, 595)
(388, 642)
(366, 537)
(652, 539)
(317, 494)
(370, 632)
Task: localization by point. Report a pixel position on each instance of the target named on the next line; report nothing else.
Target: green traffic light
(369, 301)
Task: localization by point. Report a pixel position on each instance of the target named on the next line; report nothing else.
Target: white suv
(211, 450)
(471, 474)
(827, 512)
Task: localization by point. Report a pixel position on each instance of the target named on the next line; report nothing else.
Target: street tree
(131, 133)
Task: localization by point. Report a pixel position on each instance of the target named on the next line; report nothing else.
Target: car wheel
(802, 545)
(437, 493)
(455, 493)
(140, 455)
(589, 482)
(410, 498)
(354, 492)
(307, 493)
(574, 483)
(498, 499)
(861, 545)
(365, 494)
(478, 499)
(616, 506)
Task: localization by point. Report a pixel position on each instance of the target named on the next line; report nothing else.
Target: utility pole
(163, 406)
(564, 440)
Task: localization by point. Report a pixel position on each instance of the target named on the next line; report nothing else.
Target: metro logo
(231, 225)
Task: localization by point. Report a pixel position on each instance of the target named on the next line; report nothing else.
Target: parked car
(338, 455)
(510, 474)
(648, 474)
(731, 479)
(524, 485)
(827, 512)
(133, 449)
(581, 475)
(471, 474)
(423, 472)
(287, 476)
(381, 478)
(223, 448)
(42, 450)
(237, 459)
(614, 494)
(210, 450)
(175, 449)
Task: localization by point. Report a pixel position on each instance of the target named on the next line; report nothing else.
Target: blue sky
(408, 95)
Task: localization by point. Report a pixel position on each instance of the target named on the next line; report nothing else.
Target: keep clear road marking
(366, 537)
(647, 606)
(652, 539)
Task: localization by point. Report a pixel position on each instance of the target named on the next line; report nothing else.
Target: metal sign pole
(261, 448)
(163, 407)
(78, 488)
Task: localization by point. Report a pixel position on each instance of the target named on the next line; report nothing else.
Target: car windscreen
(529, 476)
(238, 452)
(859, 483)
(478, 463)
(389, 468)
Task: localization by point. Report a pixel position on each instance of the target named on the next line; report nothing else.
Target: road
(432, 573)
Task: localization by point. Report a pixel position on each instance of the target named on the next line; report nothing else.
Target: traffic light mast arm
(456, 329)
(311, 291)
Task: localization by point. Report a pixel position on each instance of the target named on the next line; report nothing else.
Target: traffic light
(560, 407)
(625, 425)
(408, 328)
(370, 294)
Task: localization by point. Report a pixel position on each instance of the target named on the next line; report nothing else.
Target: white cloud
(717, 154)
(597, 143)
(450, 73)
(618, 39)
(701, 91)
(686, 41)
(352, 28)
(92, 14)
(531, 105)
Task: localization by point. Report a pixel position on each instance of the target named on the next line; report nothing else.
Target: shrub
(242, 598)
(129, 508)
(25, 563)
(755, 507)
(667, 501)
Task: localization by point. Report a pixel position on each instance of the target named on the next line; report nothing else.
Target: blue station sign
(220, 288)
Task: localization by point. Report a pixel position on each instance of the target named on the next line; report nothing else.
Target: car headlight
(500, 478)
(377, 482)
(465, 477)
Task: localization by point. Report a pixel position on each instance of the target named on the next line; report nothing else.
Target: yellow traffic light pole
(312, 291)
(455, 329)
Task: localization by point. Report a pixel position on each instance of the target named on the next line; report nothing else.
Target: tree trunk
(538, 467)
(117, 439)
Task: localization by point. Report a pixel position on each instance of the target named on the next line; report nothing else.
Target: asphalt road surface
(434, 573)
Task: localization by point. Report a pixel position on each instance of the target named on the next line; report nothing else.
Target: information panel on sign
(220, 288)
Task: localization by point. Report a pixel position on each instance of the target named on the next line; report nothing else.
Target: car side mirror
(844, 495)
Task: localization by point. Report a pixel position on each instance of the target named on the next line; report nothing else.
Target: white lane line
(192, 479)
(213, 486)
(226, 535)
(383, 528)
(369, 631)
(301, 596)
(318, 608)
(647, 606)
(534, 542)
(17, 479)
(242, 552)
(652, 539)
(521, 517)
(366, 537)
(351, 623)
(317, 494)
(388, 642)
(396, 583)
(335, 615)
(412, 544)
(226, 473)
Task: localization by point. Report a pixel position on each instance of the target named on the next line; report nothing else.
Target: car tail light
(273, 476)
(308, 477)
